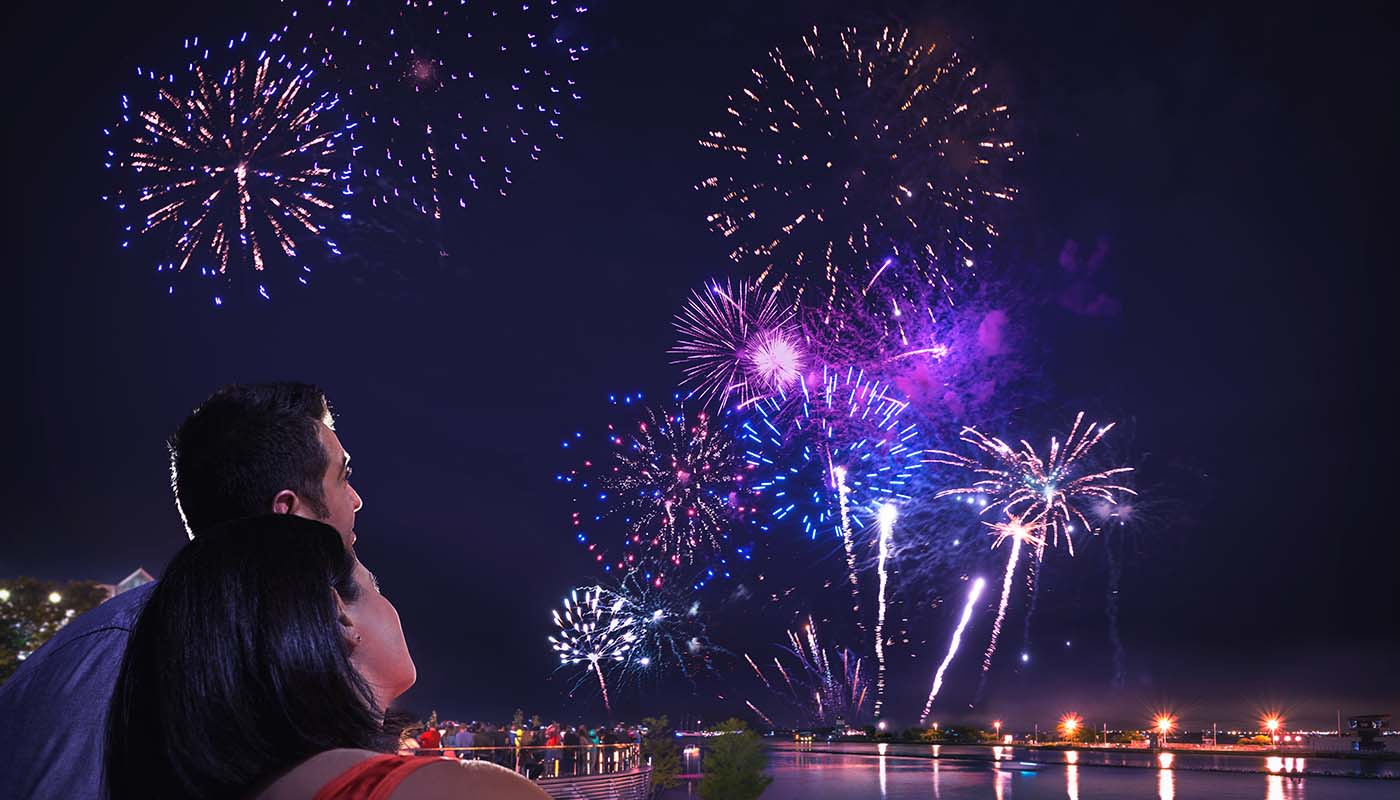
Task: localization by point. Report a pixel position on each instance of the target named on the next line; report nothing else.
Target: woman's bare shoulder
(457, 780)
(307, 778)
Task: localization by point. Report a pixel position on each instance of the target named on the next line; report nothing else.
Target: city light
(1164, 723)
(55, 598)
(1069, 723)
(1272, 723)
(4, 595)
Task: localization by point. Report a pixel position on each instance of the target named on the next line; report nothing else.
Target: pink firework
(1027, 486)
(738, 342)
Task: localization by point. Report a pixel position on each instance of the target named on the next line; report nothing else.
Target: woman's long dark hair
(237, 669)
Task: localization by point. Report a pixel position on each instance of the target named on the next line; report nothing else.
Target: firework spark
(885, 546)
(828, 684)
(854, 147)
(234, 163)
(1018, 531)
(766, 718)
(972, 595)
(674, 483)
(1025, 485)
(738, 342)
(594, 633)
(452, 99)
(758, 671)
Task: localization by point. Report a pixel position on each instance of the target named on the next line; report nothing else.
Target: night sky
(1228, 158)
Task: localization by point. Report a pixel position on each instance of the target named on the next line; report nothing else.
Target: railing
(632, 785)
(542, 762)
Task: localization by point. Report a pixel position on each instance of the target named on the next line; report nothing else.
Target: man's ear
(347, 622)
(285, 502)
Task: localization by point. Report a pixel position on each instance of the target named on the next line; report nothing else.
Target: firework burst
(955, 356)
(235, 163)
(669, 631)
(673, 482)
(830, 682)
(453, 98)
(854, 147)
(846, 432)
(1049, 489)
(738, 342)
(595, 631)
(832, 456)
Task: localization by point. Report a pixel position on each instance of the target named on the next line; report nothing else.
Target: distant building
(138, 578)
(1369, 728)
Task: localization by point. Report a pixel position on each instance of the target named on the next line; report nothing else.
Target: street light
(1164, 723)
(55, 598)
(1069, 723)
(997, 724)
(4, 595)
(1272, 723)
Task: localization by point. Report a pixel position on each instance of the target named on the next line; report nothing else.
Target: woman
(261, 668)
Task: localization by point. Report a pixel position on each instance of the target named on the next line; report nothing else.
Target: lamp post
(1069, 724)
(1272, 724)
(996, 723)
(1165, 723)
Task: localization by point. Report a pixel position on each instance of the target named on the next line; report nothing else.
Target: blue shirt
(54, 707)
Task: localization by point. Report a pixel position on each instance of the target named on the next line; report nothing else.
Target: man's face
(341, 499)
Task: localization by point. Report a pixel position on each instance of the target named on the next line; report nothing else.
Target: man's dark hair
(244, 445)
(237, 669)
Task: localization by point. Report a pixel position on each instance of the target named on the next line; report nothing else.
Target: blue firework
(847, 435)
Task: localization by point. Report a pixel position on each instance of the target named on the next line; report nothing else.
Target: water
(1147, 759)
(828, 776)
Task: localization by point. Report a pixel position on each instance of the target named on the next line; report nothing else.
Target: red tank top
(375, 778)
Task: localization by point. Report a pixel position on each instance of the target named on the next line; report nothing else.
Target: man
(430, 740)
(466, 739)
(247, 450)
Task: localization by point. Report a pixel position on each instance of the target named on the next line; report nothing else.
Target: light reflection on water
(1166, 783)
(916, 776)
(1126, 757)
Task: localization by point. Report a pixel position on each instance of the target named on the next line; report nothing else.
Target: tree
(1258, 739)
(1082, 734)
(659, 747)
(30, 615)
(734, 765)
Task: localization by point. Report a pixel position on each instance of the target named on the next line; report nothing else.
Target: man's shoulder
(95, 642)
(55, 704)
(118, 615)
